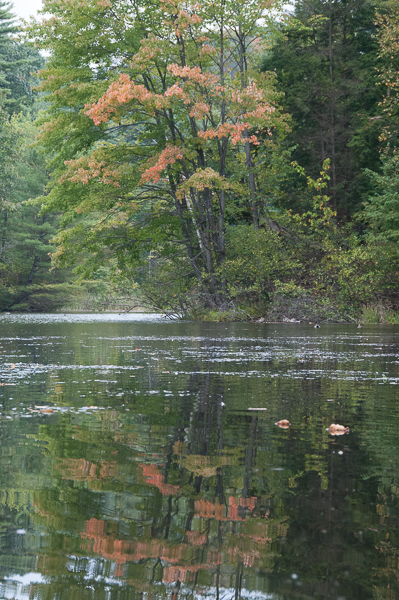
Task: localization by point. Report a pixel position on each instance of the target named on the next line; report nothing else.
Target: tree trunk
(332, 109)
(32, 271)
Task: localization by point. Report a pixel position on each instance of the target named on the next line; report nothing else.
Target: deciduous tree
(159, 122)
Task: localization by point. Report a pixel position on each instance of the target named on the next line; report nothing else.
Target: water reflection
(133, 468)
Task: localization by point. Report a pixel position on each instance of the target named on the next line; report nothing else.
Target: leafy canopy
(159, 121)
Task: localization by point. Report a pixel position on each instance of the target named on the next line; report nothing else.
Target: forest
(215, 160)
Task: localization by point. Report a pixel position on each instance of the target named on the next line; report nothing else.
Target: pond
(140, 459)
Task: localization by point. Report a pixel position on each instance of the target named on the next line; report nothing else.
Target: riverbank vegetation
(218, 160)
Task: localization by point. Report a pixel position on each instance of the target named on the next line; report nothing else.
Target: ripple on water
(130, 457)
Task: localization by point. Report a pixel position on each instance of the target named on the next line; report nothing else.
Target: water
(140, 459)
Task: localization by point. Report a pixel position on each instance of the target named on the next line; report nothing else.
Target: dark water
(152, 477)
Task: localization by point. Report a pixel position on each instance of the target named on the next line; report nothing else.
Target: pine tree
(25, 278)
(7, 27)
(26, 282)
(381, 212)
(388, 37)
(18, 61)
(326, 67)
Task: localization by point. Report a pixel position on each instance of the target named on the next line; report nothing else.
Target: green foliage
(18, 62)
(326, 62)
(382, 209)
(7, 27)
(162, 155)
(380, 313)
(255, 260)
(22, 63)
(156, 183)
(11, 142)
(388, 30)
(25, 280)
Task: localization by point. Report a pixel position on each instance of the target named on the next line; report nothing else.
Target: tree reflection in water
(176, 495)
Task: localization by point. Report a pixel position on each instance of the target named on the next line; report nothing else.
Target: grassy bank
(310, 311)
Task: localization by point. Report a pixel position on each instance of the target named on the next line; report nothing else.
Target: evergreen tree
(26, 282)
(25, 278)
(22, 62)
(7, 27)
(381, 212)
(388, 37)
(326, 66)
(17, 63)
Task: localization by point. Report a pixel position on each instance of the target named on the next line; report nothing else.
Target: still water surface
(134, 466)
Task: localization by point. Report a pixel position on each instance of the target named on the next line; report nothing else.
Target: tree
(160, 152)
(10, 146)
(21, 63)
(26, 282)
(388, 23)
(7, 27)
(17, 62)
(381, 211)
(326, 65)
